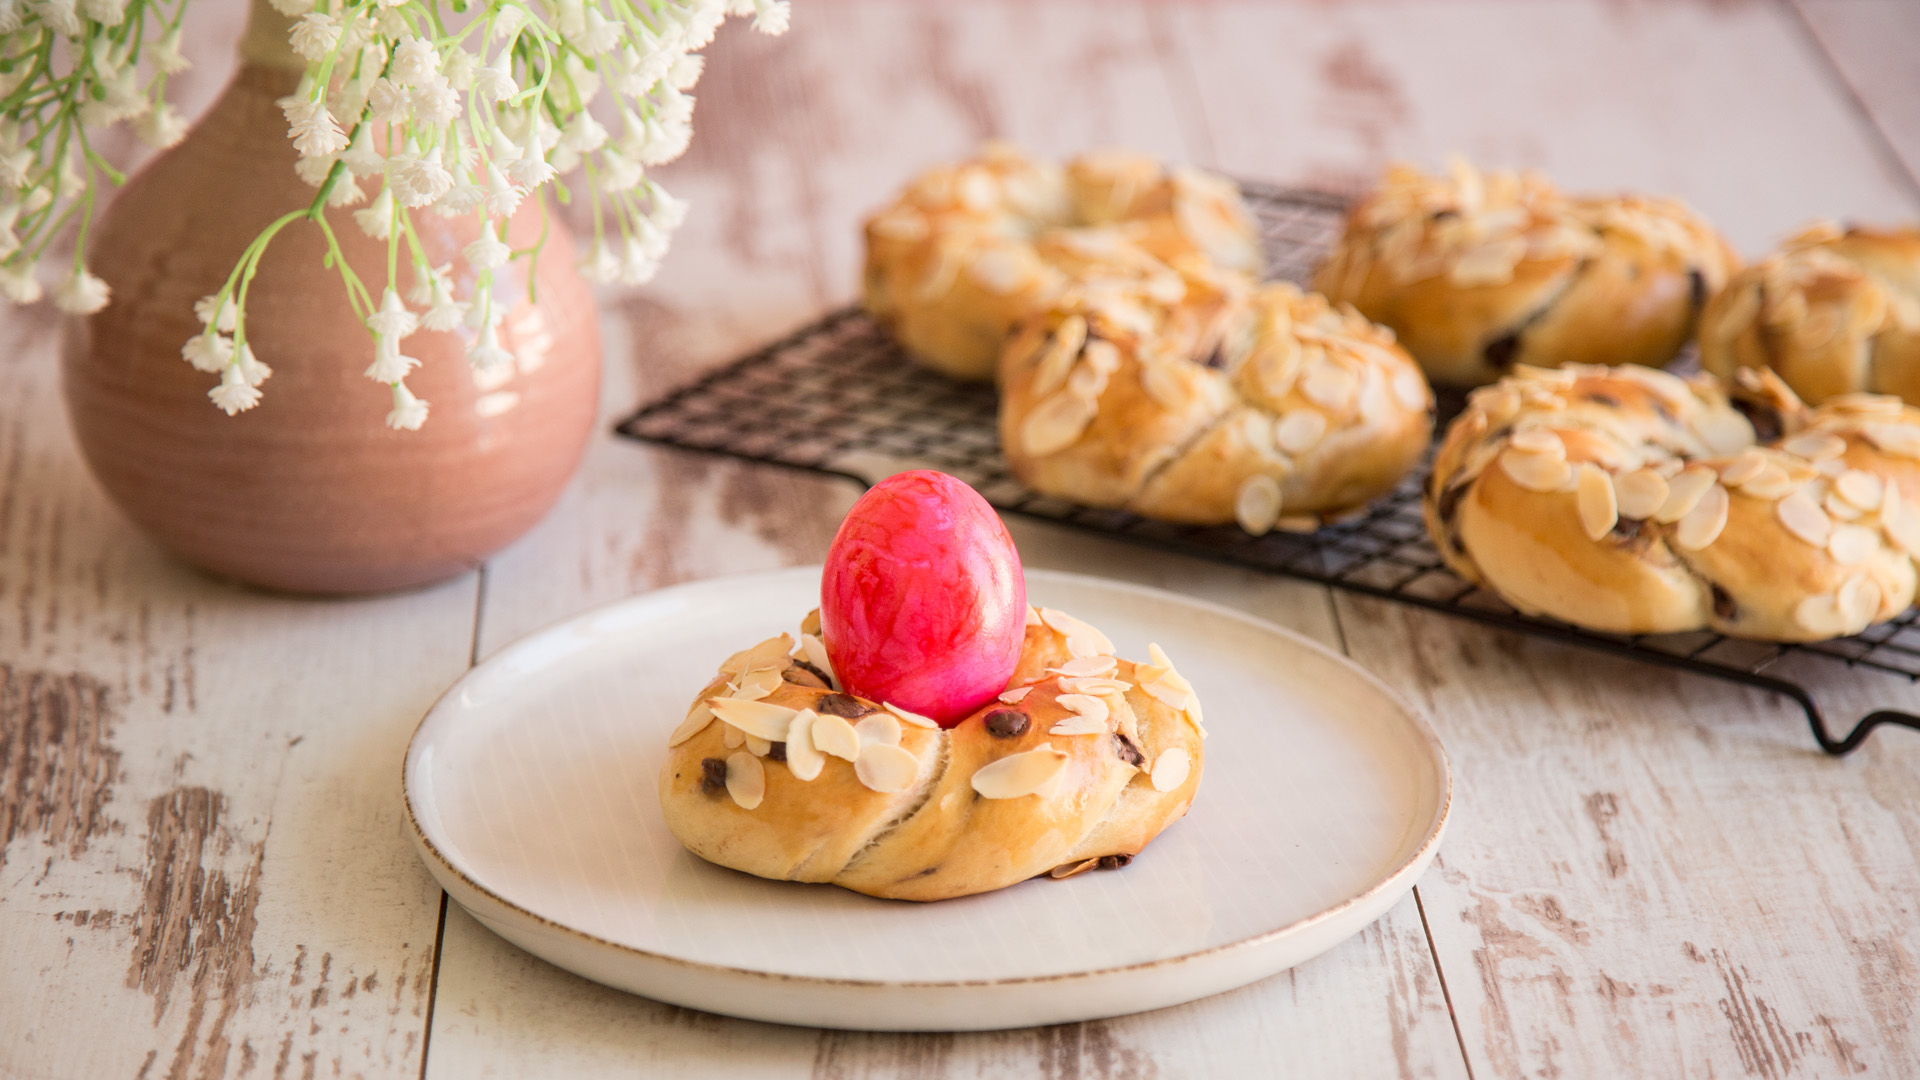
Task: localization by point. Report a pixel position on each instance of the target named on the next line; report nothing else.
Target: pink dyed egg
(923, 604)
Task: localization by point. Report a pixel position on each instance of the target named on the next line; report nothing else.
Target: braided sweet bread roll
(1630, 501)
(1833, 312)
(1265, 408)
(1477, 272)
(970, 249)
(1081, 762)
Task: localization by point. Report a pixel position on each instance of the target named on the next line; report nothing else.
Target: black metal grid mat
(838, 397)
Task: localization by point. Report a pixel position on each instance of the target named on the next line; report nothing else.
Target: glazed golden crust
(1629, 501)
(949, 832)
(1263, 406)
(970, 249)
(1833, 312)
(1479, 272)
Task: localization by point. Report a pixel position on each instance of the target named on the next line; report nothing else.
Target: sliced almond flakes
(1018, 775)
(746, 780)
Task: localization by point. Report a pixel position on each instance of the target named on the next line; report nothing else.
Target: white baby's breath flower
(507, 22)
(313, 170)
(686, 71)
(414, 62)
(666, 211)
(377, 219)
(531, 170)
(434, 291)
(19, 284)
(315, 36)
(166, 55)
(435, 101)
(314, 130)
(599, 265)
(772, 16)
(583, 134)
(389, 366)
(393, 320)
(487, 252)
(12, 14)
(619, 172)
(234, 394)
(637, 267)
(408, 412)
(493, 82)
(16, 167)
(387, 101)
(423, 181)
(161, 126)
(597, 34)
(81, 293)
(104, 12)
(251, 369)
(458, 68)
(503, 198)
(361, 156)
(208, 351)
(346, 192)
(208, 306)
(60, 15)
(486, 354)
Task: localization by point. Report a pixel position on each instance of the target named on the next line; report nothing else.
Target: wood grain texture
(202, 869)
(1872, 45)
(1722, 104)
(204, 872)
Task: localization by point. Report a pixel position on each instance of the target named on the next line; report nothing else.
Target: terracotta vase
(309, 491)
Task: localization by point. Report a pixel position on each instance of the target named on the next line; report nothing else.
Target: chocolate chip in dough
(1697, 289)
(843, 705)
(713, 775)
(1114, 862)
(1007, 723)
(777, 752)
(794, 671)
(1723, 605)
(1501, 351)
(1128, 752)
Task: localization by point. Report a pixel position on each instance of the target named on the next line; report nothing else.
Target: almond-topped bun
(970, 249)
(1478, 272)
(1627, 500)
(1082, 761)
(1833, 312)
(1272, 409)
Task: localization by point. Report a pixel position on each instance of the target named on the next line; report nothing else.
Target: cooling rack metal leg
(1850, 742)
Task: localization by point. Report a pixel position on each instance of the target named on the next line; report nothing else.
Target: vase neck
(265, 42)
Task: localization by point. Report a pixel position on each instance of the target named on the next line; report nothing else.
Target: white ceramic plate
(530, 787)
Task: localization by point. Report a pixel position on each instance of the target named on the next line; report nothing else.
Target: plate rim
(1418, 858)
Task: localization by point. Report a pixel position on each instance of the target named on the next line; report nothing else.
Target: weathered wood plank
(788, 158)
(1872, 44)
(202, 867)
(1721, 104)
(203, 871)
(1657, 874)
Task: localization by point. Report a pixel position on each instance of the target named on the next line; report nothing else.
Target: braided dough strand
(1833, 312)
(1628, 500)
(1081, 762)
(970, 249)
(1264, 407)
(1477, 272)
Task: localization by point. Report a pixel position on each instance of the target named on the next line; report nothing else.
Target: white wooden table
(204, 872)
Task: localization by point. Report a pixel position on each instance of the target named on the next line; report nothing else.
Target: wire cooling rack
(837, 397)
